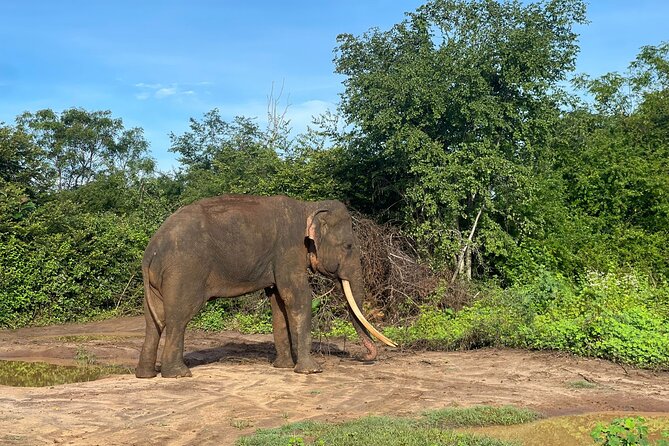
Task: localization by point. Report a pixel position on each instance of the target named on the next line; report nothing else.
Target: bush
(69, 265)
(626, 432)
(248, 314)
(620, 317)
(493, 320)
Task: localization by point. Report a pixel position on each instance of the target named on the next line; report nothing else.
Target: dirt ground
(234, 390)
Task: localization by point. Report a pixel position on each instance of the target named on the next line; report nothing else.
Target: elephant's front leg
(282, 338)
(297, 301)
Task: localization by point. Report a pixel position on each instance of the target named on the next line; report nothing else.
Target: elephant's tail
(153, 300)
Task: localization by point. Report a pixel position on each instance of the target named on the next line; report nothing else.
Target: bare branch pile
(398, 282)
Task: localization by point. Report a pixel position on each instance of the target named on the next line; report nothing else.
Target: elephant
(231, 245)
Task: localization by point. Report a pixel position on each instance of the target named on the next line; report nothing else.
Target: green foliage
(64, 264)
(79, 145)
(479, 416)
(451, 109)
(247, 314)
(214, 316)
(341, 328)
(432, 428)
(610, 157)
(251, 323)
(620, 317)
(626, 432)
(494, 320)
(78, 207)
(219, 157)
(223, 157)
(21, 160)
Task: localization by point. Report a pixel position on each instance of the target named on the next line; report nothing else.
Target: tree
(21, 161)
(81, 145)
(220, 157)
(450, 110)
(612, 157)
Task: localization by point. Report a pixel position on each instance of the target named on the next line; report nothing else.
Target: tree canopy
(451, 111)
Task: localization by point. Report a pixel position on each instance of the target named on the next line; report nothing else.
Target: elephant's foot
(175, 371)
(285, 362)
(307, 366)
(146, 371)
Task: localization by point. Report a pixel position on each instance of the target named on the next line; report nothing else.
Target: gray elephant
(236, 244)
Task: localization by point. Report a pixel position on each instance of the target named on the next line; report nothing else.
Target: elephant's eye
(348, 246)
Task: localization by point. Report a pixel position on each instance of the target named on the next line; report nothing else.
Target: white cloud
(163, 91)
(149, 86)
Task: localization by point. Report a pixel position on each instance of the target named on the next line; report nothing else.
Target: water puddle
(569, 430)
(40, 374)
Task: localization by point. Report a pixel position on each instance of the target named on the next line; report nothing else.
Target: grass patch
(581, 384)
(478, 416)
(432, 428)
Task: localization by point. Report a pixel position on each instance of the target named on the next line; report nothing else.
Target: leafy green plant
(626, 432)
(213, 317)
(341, 328)
(613, 316)
(254, 323)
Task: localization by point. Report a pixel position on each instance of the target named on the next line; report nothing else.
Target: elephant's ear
(314, 227)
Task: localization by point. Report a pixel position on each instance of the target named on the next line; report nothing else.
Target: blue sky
(155, 64)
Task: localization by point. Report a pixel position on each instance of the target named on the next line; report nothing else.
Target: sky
(156, 64)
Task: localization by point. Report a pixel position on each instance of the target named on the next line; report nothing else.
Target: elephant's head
(333, 252)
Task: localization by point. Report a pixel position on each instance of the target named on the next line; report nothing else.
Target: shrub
(494, 320)
(626, 432)
(620, 317)
(613, 316)
(70, 265)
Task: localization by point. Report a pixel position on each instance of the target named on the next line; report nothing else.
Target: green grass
(432, 428)
(478, 416)
(581, 384)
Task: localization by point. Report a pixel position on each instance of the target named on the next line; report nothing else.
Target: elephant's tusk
(351, 301)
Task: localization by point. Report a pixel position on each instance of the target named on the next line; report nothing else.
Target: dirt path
(234, 390)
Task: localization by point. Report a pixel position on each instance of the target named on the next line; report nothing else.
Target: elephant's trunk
(362, 326)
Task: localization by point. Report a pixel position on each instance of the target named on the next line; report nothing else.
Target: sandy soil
(234, 390)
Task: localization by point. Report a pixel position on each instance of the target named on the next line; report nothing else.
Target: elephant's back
(243, 220)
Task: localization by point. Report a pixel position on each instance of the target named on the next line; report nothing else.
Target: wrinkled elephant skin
(235, 244)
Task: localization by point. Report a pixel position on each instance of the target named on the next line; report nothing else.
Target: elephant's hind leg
(173, 365)
(146, 368)
(182, 303)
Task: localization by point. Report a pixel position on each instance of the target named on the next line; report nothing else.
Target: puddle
(569, 430)
(40, 374)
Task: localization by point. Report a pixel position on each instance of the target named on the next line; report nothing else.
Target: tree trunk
(465, 257)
